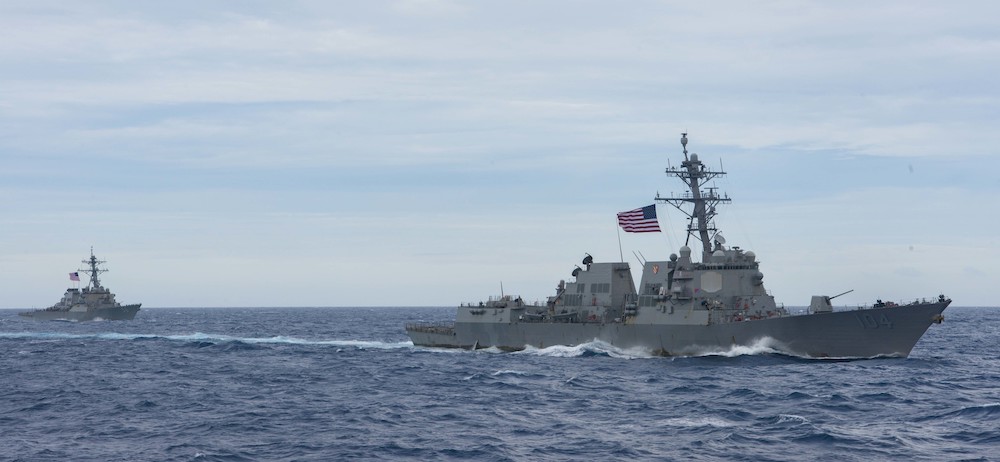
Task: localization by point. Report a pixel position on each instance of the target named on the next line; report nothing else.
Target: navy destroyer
(93, 302)
(683, 306)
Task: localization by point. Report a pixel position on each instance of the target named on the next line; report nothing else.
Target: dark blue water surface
(346, 384)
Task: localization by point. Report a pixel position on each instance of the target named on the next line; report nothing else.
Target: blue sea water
(242, 384)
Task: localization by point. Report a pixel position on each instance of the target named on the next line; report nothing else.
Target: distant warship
(93, 302)
(684, 307)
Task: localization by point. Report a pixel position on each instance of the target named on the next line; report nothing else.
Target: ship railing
(501, 302)
(893, 304)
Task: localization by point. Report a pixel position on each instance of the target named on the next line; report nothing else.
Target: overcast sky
(402, 153)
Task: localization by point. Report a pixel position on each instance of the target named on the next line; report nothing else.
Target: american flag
(74, 277)
(642, 220)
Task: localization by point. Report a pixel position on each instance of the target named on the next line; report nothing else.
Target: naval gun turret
(821, 303)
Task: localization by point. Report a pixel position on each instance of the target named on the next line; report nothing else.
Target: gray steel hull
(889, 331)
(117, 313)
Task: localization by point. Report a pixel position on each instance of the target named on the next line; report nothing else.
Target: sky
(428, 152)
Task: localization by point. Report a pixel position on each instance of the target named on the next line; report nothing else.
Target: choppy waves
(318, 384)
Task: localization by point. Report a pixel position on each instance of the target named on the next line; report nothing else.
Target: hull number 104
(874, 321)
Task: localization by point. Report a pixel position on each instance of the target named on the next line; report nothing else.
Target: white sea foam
(697, 422)
(492, 349)
(558, 351)
(509, 372)
(426, 349)
(204, 337)
(597, 346)
(984, 406)
(363, 344)
(762, 346)
(786, 418)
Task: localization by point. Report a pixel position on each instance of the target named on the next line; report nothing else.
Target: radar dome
(673, 257)
(750, 255)
(694, 157)
(685, 251)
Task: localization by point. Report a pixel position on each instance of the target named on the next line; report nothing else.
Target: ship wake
(761, 347)
(205, 339)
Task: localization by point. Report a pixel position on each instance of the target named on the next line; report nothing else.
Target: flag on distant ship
(641, 220)
(74, 277)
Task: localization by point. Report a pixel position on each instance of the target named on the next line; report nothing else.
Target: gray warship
(685, 307)
(93, 302)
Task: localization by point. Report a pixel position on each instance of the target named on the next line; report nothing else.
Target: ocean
(324, 384)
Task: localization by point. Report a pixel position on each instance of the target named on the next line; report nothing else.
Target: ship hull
(117, 313)
(867, 333)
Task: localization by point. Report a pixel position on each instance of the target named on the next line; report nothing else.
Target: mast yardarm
(93, 262)
(704, 199)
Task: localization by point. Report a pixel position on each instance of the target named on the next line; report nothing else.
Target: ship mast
(694, 175)
(94, 271)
